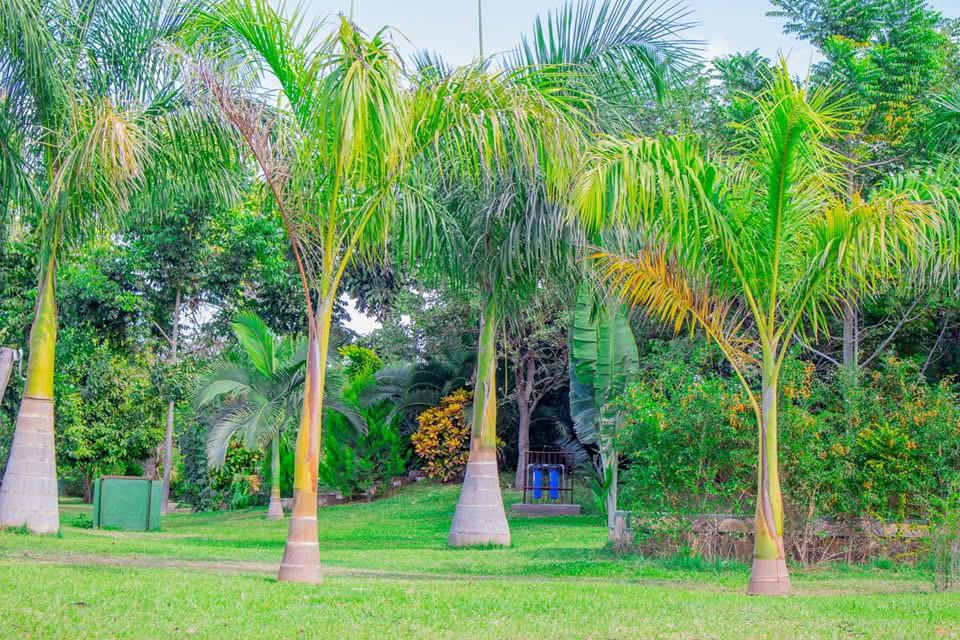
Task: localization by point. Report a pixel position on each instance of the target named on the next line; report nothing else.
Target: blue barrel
(554, 482)
(537, 482)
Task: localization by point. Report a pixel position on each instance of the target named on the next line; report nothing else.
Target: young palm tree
(96, 115)
(751, 251)
(262, 392)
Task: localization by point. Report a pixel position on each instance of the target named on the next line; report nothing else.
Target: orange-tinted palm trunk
(301, 555)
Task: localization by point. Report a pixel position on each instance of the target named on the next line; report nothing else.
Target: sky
(449, 27)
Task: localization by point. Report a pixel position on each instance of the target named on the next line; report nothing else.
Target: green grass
(390, 575)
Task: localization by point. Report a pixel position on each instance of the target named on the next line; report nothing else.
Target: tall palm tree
(97, 115)
(507, 230)
(328, 155)
(752, 250)
(262, 391)
(333, 145)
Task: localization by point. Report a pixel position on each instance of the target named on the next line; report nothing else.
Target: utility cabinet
(126, 502)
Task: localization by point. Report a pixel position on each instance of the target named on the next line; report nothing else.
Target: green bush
(236, 484)
(353, 466)
(883, 445)
(354, 463)
(109, 416)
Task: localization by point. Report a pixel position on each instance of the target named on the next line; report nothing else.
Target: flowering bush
(442, 439)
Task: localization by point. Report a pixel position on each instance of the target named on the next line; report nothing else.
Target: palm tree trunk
(480, 517)
(275, 510)
(301, 556)
(171, 406)
(769, 575)
(28, 496)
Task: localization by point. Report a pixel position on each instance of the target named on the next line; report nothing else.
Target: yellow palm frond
(650, 280)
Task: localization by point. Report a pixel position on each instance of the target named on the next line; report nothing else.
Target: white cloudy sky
(450, 28)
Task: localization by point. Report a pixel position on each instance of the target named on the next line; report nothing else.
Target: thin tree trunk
(275, 510)
(168, 435)
(769, 574)
(7, 356)
(480, 517)
(28, 495)
(301, 555)
(610, 460)
(851, 309)
(525, 380)
(851, 334)
(86, 480)
(523, 446)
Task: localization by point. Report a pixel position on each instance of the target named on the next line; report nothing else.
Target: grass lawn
(390, 575)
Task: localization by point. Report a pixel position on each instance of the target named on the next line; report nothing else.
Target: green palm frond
(257, 341)
(619, 49)
(943, 128)
(222, 379)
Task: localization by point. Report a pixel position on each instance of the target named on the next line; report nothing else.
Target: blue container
(537, 482)
(554, 482)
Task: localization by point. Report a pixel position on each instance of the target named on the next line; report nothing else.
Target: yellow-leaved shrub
(442, 439)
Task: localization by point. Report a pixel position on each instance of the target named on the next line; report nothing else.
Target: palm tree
(261, 390)
(752, 250)
(345, 157)
(409, 389)
(95, 114)
(507, 232)
(327, 155)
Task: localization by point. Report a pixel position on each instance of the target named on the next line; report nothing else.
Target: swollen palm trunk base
(480, 517)
(769, 578)
(275, 510)
(28, 496)
(301, 555)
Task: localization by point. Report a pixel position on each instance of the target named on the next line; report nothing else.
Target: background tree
(888, 59)
(536, 348)
(98, 115)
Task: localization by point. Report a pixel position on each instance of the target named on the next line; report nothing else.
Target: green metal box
(126, 502)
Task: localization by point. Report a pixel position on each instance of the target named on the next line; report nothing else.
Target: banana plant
(603, 356)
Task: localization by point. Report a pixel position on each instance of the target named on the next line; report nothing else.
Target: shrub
(205, 489)
(83, 521)
(371, 460)
(883, 446)
(354, 463)
(442, 439)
